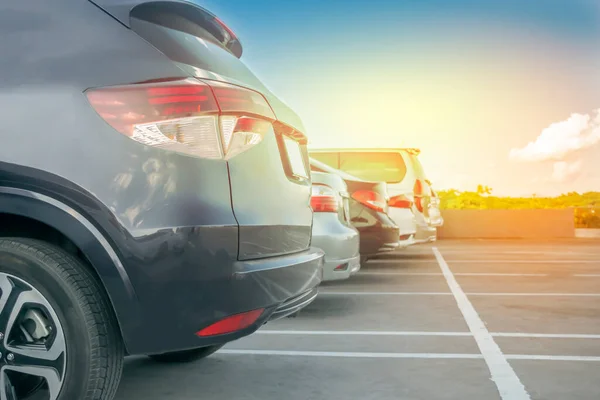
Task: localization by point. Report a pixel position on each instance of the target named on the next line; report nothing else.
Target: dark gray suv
(154, 195)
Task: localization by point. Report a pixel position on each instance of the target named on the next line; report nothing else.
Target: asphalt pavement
(468, 320)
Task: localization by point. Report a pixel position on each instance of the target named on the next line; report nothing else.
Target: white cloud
(566, 171)
(562, 139)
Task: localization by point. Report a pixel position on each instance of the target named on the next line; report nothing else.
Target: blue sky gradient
(465, 80)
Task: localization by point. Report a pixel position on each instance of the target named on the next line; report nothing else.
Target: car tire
(186, 356)
(83, 342)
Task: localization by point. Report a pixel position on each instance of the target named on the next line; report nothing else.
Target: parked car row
(156, 198)
(386, 197)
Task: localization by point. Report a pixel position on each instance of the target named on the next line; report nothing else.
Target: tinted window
(295, 157)
(330, 159)
(318, 166)
(194, 50)
(374, 166)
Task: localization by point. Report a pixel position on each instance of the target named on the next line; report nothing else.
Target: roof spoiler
(158, 11)
(413, 151)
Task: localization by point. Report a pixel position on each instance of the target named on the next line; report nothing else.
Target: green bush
(586, 205)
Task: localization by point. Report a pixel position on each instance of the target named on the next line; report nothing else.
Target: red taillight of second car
(370, 199)
(188, 116)
(231, 324)
(323, 199)
(418, 190)
(400, 201)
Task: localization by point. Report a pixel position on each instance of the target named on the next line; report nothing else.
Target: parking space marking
(400, 261)
(344, 354)
(508, 383)
(362, 333)
(441, 274)
(517, 294)
(483, 262)
(427, 333)
(541, 294)
(587, 275)
(525, 261)
(527, 357)
(338, 293)
(545, 335)
(433, 356)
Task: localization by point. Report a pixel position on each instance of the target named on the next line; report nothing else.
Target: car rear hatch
(372, 195)
(261, 138)
(339, 187)
(364, 195)
(425, 200)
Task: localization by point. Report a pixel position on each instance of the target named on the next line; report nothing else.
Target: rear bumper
(340, 244)
(379, 239)
(425, 234)
(407, 225)
(352, 266)
(280, 285)
(294, 304)
(404, 219)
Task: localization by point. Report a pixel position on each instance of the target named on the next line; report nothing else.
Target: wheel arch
(83, 239)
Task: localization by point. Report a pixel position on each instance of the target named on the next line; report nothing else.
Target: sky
(500, 93)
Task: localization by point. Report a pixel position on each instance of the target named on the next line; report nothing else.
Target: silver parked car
(332, 231)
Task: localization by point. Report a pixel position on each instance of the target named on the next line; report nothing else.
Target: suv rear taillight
(400, 201)
(188, 116)
(323, 199)
(370, 199)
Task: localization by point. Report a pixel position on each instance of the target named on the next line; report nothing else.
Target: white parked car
(413, 204)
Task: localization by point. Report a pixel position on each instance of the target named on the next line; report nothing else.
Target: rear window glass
(330, 159)
(295, 157)
(374, 166)
(318, 166)
(193, 50)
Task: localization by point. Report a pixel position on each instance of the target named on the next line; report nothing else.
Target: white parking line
(432, 356)
(427, 333)
(502, 294)
(538, 294)
(483, 262)
(384, 273)
(587, 275)
(525, 261)
(330, 292)
(505, 378)
(361, 333)
(528, 357)
(400, 261)
(344, 354)
(545, 335)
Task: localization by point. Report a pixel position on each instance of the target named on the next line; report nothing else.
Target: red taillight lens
(370, 199)
(418, 190)
(400, 201)
(323, 199)
(187, 116)
(232, 324)
(341, 267)
(235, 99)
